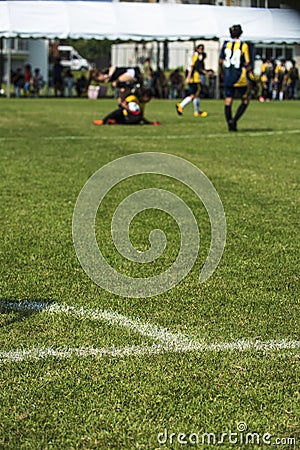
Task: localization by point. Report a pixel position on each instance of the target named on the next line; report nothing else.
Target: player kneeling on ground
(131, 110)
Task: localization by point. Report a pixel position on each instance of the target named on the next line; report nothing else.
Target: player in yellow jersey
(235, 62)
(280, 79)
(131, 110)
(266, 74)
(193, 79)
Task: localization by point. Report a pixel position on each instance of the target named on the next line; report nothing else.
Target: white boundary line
(65, 352)
(145, 329)
(167, 341)
(154, 137)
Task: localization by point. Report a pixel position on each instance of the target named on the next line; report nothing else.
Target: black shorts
(235, 92)
(117, 73)
(121, 70)
(194, 89)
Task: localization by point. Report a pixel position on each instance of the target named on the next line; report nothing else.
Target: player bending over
(117, 75)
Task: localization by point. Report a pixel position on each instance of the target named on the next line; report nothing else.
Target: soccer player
(131, 110)
(235, 61)
(266, 73)
(118, 75)
(193, 79)
(280, 78)
(125, 79)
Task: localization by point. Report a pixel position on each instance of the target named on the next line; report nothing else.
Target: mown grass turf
(49, 148)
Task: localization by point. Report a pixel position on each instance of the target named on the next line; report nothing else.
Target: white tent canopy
(144, 21)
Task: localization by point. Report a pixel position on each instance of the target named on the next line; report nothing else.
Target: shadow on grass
(15, 311)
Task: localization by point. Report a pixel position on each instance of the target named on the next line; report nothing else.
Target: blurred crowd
(277, 80)
(61, 83)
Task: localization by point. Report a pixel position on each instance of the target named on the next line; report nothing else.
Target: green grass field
(82, 368)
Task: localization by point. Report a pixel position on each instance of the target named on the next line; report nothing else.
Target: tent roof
(144, 21)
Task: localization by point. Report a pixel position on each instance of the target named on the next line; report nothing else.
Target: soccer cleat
(261, 99)
(179, 109)
(111, 122)
(232, 125)
(98, 122)
(200, 114)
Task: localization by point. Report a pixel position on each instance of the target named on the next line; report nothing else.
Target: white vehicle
(69, 57)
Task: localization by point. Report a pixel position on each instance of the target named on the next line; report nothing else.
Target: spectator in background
(212, 83)
(68, 81)
(27, 80)
(81, 86)
(176, 84)
(37, 82)
(57, 78)
(18, 81)
(147, 73)
(293, 81)
(160, 84)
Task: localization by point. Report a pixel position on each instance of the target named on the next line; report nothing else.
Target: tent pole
(217, 92)
(166, 56)
(1, 64)
(8, 69)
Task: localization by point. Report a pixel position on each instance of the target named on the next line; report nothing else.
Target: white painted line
(69, 352)
(37, 353)
(157, 137)
(167, 341)
(146, 329)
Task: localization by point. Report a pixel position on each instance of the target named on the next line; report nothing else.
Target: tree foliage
(93, 50)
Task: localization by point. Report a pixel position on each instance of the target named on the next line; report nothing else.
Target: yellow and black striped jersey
(197, 64)
(266, 72)
(236, 57)
(279, 73)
